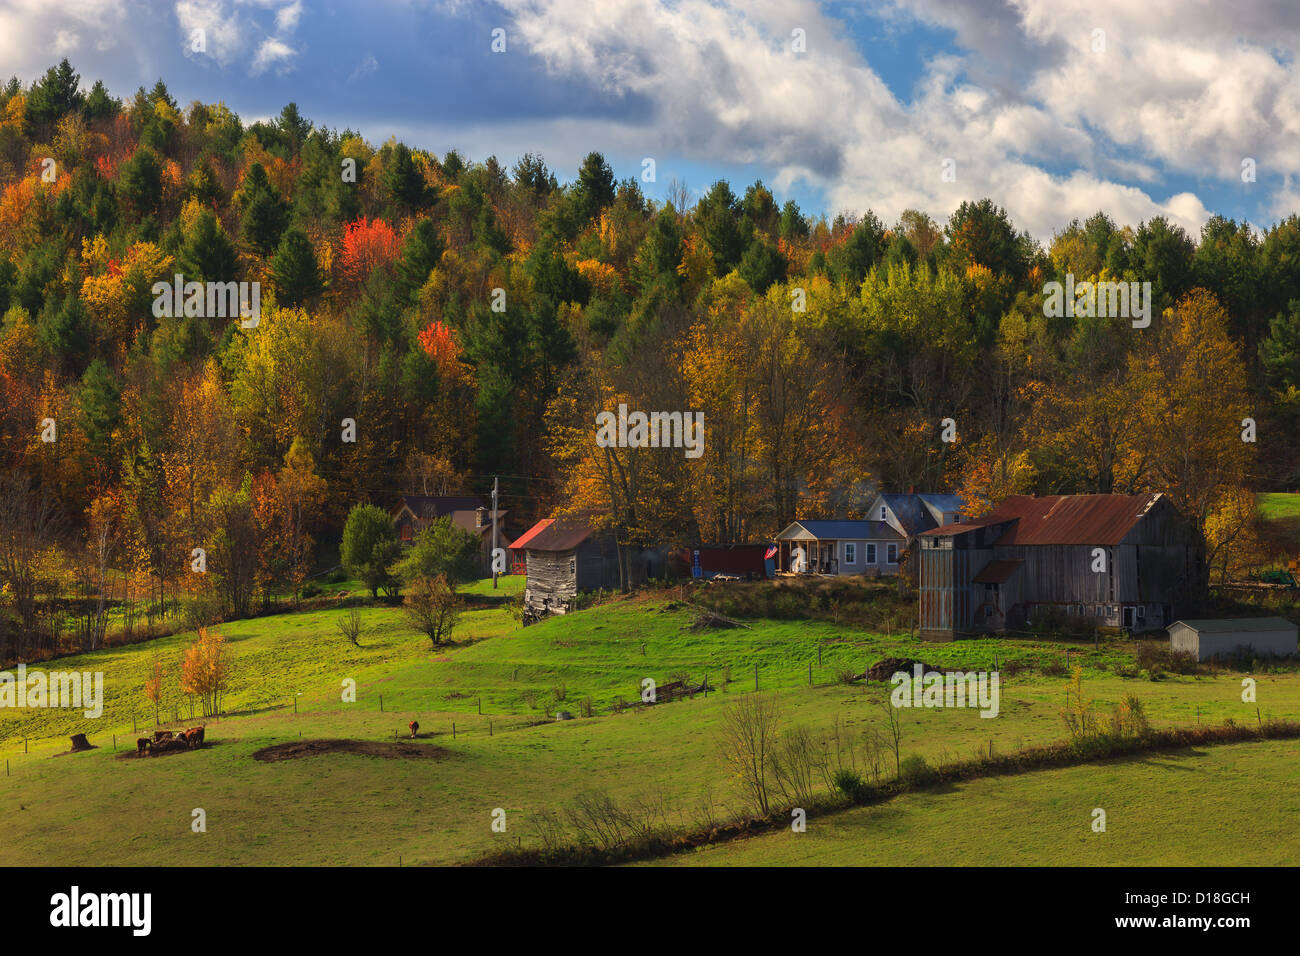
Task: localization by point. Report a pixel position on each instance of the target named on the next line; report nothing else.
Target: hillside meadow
(345, 808)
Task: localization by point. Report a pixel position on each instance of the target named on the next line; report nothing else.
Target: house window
(850, 553)
(882, 512)
(891, 554)
(573, 565)
(871, 554)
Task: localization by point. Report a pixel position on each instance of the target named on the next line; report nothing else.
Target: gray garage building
(1225, 637)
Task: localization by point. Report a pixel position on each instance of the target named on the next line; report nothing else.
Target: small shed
(748, 561)
(1227, 637)
(568, 556)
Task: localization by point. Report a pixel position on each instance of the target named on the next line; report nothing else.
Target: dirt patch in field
(132, 755)
(365, 748)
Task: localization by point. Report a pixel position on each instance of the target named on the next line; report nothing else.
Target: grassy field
(345, 808)
(1275, 506)
(1168, 809)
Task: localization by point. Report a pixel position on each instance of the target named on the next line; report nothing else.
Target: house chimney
(911, 489)
(478, 516)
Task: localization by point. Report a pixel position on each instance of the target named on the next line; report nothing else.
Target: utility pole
(494, 532)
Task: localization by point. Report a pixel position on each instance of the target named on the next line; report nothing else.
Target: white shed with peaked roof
(1228, 637)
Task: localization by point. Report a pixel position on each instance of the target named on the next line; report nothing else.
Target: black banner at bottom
(340, 905)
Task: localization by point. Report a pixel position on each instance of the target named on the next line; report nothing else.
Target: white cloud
(66, 41)
(1183, 88)
(33, 31)
(287, 17)
(221, 33)
(273, 53)
(366, 67)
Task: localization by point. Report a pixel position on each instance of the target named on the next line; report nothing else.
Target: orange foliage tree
(368, 244)
(205, 670)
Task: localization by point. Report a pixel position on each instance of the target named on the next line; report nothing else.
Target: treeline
(461, 320)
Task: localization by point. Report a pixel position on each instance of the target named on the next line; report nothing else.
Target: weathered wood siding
(551, 584)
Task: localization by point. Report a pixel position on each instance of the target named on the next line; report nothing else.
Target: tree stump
(79, 742)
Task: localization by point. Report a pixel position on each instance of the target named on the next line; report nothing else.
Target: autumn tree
(432, 607)
(205, 670)
(1192, 396)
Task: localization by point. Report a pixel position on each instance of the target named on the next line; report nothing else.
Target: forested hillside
(471, 317)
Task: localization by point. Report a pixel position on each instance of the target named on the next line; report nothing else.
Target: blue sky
(840, 106)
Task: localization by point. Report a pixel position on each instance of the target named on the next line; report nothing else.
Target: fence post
(480, 706)
(819, 655)
(755, 677)
(706, 686)
(810, 673)
(381, 703)
(489, 728)
(453, 730)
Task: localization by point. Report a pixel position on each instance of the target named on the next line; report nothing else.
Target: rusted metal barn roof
(562, 534)
(522, 541)
(1061, 519)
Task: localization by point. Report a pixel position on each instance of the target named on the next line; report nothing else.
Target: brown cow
(415, 728)
(162, 735)
(142, 746)
(194, 737)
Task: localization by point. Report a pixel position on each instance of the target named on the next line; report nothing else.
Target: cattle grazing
(194, 737)
(142, 746)
(162, 735)
(415, 728)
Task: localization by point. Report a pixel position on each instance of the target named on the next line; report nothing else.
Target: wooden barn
(519, 547)
(1127, 561)
(568, 556)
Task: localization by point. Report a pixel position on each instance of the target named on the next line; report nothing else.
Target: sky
(1053, 108)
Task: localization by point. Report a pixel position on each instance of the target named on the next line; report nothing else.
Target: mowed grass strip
(1236, 805)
